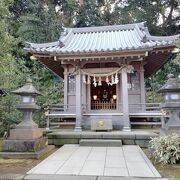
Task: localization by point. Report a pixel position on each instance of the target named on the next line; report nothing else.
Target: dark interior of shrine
(103, 93)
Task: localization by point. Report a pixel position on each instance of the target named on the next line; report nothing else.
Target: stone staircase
(100, 142)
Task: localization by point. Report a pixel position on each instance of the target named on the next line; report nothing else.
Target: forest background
(43, 20)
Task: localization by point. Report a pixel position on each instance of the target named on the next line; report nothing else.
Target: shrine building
(104, 70)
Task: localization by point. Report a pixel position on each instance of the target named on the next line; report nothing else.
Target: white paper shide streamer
(110, 78)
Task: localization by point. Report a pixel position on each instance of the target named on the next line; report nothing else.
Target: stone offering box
(99, 124)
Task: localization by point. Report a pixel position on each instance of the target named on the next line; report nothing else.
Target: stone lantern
(26, 140)
(171, 91)
(27, 106)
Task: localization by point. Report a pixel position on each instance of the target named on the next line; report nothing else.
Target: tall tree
(10, 74)
(38, 20)
(67, 10)
(89, 14)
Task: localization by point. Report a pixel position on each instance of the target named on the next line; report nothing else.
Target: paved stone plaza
(128, 160)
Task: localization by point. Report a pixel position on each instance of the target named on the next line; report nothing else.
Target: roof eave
(85, 53)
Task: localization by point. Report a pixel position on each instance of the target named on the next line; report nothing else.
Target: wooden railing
(103, 105)
(59, 114)
(61, 108)
(144, 107)
(138, 107)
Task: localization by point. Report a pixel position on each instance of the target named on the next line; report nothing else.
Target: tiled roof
(127, 37)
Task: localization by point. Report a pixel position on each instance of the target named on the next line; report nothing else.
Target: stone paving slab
(125, 161)
(58, 177)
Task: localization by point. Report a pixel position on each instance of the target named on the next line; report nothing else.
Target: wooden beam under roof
(93, 55)
(155, 59)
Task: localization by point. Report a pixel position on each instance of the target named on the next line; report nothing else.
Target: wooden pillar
(84, 103)
(78, 102)
(119, 105)
(125, 101)
(142, 88)
(65, 88)
(88, 97)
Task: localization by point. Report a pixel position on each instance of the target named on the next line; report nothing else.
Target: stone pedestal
(25, 144)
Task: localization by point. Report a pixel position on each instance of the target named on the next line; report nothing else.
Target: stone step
(100, 142)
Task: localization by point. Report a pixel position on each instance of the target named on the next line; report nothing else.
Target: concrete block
(67, 135)
(146, 136)
(128, 141)
(91, 135)
(50, 135)
(128, 135)
(142, 143)
(100, 142)
(50, 141)
(45, 132)
(60, 142)
(111, 136)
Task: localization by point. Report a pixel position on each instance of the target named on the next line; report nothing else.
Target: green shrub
(166, 149)
(2, 131)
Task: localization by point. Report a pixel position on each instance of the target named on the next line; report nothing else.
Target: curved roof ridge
(140, 31)
(42, 45)
(163, 38)
(105, 28)
(65, 34)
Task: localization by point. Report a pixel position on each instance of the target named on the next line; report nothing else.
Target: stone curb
(67, 177)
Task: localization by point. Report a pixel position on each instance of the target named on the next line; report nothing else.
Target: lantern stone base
(27, 155)
(25, 148)
(25, 134)
(24, 145)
